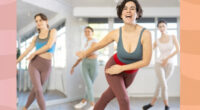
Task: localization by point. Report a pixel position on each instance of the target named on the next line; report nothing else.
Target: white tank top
(165, 50)
(89, 44)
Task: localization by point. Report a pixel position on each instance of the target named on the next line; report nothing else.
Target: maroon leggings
(117, 88)
(39, 70)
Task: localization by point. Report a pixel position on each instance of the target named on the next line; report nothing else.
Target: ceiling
(144, 3)
(26, 12)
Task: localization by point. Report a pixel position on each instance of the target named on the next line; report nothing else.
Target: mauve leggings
(39, 70)
(117, 88)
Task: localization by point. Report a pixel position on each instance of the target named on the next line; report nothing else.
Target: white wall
(74, 83)
(143, 85)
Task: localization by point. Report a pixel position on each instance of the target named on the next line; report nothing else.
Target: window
(102, 27)
(59, 60)
(23, 46)
(103, 54)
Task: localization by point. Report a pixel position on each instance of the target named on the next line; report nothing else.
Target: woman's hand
(115, 69)
(31, 56)
(80, 54)
(72, 70)
(17, 61)
(164, 62)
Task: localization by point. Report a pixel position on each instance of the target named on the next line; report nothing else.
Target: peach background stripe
(190, 54)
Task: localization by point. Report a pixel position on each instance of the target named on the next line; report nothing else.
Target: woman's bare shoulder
(114, 34)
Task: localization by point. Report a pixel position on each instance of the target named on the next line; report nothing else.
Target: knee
(164, 88)
(43, 81)
(38, 91)
(124, 100)
(105, 94)
(89, 87)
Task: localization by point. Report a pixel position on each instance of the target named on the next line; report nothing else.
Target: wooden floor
(136, 104)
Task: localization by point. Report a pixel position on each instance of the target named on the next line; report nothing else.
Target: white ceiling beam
(57, 6)
(111, 12)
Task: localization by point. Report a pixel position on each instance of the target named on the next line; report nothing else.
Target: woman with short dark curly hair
(134, 50)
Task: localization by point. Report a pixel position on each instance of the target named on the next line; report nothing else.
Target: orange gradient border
(190, 54)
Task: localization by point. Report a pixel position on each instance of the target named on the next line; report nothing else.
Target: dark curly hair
(120, 8)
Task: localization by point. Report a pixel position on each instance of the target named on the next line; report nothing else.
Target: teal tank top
(41, 42)
(126, 57)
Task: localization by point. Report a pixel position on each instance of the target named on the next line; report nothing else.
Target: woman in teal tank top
(40, 60)
(134, 51)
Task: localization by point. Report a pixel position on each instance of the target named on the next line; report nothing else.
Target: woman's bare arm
(77, 62)
(109, 38)
(31, 46)
(93, 44)
(154, 45)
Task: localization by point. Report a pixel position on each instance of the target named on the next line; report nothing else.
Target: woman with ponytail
(40, 60)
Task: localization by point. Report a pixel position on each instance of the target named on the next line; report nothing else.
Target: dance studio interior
(70, 17)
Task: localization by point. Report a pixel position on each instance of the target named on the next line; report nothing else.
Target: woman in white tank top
(165, 48)
(164, 64)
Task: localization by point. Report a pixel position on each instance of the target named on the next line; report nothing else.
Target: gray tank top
(41, 42)
(126, 57)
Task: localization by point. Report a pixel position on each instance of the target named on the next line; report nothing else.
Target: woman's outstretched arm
(109, 38)
(31, 46)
